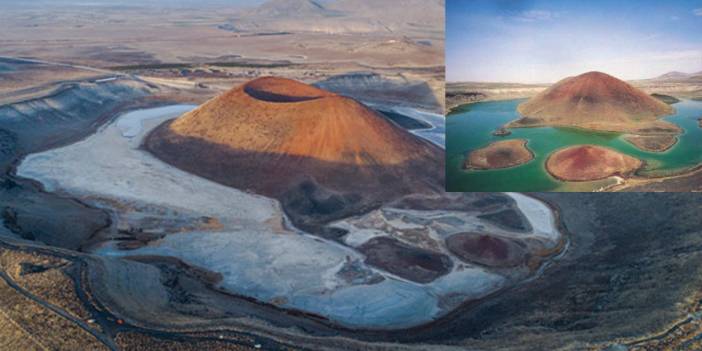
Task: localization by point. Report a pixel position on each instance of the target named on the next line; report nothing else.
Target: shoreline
(379, 332)
(510, 124)
(467, 166)
(455, 108)
(640, 180)
(88, 294)
(616, 174)
(631, 137)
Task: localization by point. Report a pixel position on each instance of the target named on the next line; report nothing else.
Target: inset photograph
(571, 96)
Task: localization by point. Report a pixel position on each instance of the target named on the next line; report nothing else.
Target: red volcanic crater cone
(599, 101)
(590, 162)
(319, 152)
(289, 120)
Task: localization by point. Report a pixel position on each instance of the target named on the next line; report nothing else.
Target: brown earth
(655, 143)
(129, 35)
(325, 156)
(597, 101)
(590, 162)
(500, 154)
(419, 265)
(502, 131)
(688, 181)
(486, 250)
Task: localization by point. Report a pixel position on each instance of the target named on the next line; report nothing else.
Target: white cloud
(697, 12)
(674, 18)
(537, 15)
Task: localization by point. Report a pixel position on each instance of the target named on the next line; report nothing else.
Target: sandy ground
(190, 48)
(282, 258)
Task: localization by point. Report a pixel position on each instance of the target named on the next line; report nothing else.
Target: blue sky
(544, 41)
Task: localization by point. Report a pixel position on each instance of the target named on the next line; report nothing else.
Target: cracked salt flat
(256, 255)
(539, 215)
(363, 228)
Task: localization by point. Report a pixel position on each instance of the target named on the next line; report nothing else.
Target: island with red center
(590, 162)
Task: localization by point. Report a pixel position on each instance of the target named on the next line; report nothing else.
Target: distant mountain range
(49, 4)
(680, 76)
(291, 9)
(341, 16)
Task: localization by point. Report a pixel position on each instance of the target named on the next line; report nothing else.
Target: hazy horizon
(130, 3)
(544, 41)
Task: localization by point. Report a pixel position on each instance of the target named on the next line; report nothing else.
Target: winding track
(103, 338)
(107, 320)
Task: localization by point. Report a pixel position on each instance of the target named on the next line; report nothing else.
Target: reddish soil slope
(589, 162)
(486, 250)
(409, 262)
(596, 100)
(500, 154)
(323, 155)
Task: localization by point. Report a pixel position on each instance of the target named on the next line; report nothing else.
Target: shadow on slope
(313, 192)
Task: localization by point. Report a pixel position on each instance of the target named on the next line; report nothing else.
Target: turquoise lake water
(470, 127)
